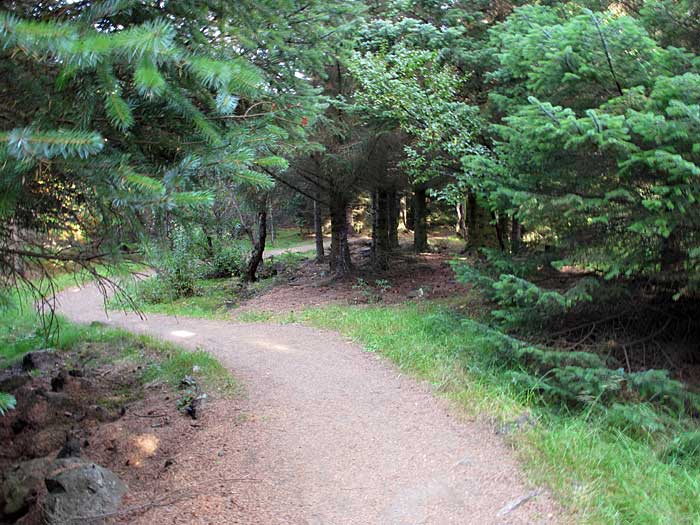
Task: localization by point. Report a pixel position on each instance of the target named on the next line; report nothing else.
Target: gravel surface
(333, 435)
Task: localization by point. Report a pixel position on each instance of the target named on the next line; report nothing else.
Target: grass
(213, 299)
(601, 475)
(288, 238)
(21, 332)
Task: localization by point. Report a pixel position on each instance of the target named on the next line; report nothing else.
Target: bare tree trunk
(256, 256)
(472, 220)
(272, 225)
(420, 224)
(340, 262)
(461, 227)
(502, 230)
(402, 212)
(516, 235)
(348, 219)
(393, 222)
(318, 231)
(380, 229)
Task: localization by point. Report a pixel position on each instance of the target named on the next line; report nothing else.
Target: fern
(7, 403)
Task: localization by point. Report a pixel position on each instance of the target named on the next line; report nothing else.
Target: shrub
(228, 260)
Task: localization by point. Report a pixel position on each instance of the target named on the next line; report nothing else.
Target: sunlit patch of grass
(214, 300)
(288, 238)
(254, 317)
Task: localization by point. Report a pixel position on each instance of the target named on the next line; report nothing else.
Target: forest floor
(322, 431)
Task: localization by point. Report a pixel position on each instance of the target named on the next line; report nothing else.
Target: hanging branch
(607, 51)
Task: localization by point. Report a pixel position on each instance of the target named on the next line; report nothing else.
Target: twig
(163, 501)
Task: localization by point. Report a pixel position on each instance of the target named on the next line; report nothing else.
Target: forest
(216, 214)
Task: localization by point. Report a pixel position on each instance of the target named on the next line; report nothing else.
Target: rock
(79, 488)
(40, 360)
(18, 425)
(22, 484)
(420, 292)
(101, 414)
(70, 449)
(13, 378)
(58, 382)
(523, 421)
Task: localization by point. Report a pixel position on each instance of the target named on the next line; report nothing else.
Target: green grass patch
(21, 331)
(602, 473)
(254, 317)
(213, 298)
(288, 238)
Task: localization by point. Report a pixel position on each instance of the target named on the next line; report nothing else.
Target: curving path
(342, 437)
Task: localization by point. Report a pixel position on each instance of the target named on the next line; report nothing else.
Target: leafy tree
(597, 148)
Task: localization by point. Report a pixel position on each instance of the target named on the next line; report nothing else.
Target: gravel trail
(336, 435)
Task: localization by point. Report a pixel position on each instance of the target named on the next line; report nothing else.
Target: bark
(502, 231)
(403, 212)
(461, 227)
(256, 256)
(472, 220)
(318, 231)
(516, 236)
(380, 229)
(348, 219)
(394, 212)
(272, 225)
(420, 223)
(340, 262)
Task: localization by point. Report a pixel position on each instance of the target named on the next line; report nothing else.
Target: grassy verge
(602, 474)
(21, 332)
(212, 298)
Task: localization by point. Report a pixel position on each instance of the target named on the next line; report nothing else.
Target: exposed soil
(409, 277)
(323, 434)
(117, 421)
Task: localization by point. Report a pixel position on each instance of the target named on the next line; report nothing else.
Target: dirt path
(301, 248)
(334, 435)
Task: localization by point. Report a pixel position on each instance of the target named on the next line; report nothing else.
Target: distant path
(336, 435)
(301, 248)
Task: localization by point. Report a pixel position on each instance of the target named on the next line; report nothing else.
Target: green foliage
(684, 449)
(609, 135)
(372, 293)
(520, 301)
(7, 403)
(229, 260)
(125, 114)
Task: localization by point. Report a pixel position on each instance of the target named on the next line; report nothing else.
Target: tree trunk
(472, 220)
(256, 256)
(502, 230)
(318, 231)
(380, 229)
(340, 262)
(272, 225)
(420, 224)
(516, 236)
(403, 213)
(394, 211)
(348, 219)
(461, 227)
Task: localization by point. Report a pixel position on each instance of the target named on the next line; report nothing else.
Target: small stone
(40, 360)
